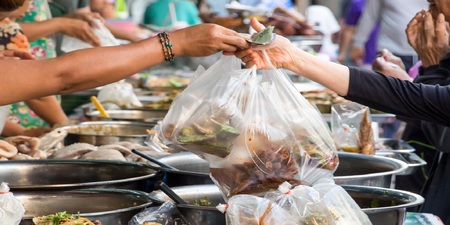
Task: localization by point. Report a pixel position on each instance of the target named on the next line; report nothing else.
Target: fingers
(256, 25)
(441, 29)
(16, 54)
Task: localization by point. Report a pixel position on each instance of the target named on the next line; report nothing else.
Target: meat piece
(24, 144)
(125, 151)
(105, 154)
(52, 139)
(21, 156)
(73, 151)
(7, 150)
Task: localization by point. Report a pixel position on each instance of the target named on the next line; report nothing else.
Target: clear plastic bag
(119, 93)
(253, 210)
(11, 209)
(351, 128)
(256, 131)
(166, 214)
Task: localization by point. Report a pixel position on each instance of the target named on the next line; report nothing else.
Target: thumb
(256, 25)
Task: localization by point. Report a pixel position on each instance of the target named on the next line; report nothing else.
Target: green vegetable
(57, 217)
(174, 83)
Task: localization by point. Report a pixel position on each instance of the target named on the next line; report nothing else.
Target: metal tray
(145, 116)
(394, 145)
(412, 159)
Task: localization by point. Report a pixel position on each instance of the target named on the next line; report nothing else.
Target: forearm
(36, 30)
(346, 39)
(122, 34)
(367, 22)
(12, 129)
(49, 109)
(332, 75)
(80, 70)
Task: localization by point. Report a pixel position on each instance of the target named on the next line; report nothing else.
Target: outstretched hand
(279, 52)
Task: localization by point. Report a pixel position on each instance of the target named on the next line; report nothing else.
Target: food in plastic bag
(11, 209)
(166, 214)
(253, 210)
(256, 132)
(63, 218)
(119, 93)
(106, 39)
(352, 128)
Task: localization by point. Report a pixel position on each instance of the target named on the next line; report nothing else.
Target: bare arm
(346, 40)
(122, 34)
(14, 129)
(49, 109)
(88, 68)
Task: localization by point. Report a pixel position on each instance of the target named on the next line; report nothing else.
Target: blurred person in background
(32, 117)
(431, 141)
(393, 17)
(354, 12)
(185, 13)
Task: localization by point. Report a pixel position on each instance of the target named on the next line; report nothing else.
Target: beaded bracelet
(166, 46)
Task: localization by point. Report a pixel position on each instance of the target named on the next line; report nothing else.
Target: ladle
(163, 166)
(169, 192)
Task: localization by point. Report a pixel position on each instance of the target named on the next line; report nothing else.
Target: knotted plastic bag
(119, 93)
(256, 131)
(11, 209)
(166, 214)
(253, 210)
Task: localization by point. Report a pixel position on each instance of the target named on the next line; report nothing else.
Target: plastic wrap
(351, 127)
(256, 131)
(11, 209)
(119, 93)
(166, 214)
(253, 210)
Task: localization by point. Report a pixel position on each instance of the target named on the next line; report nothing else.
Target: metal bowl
(109, 206)
(107, 132)
(413, 161)
(366, 197)
(74, 174)
(144, 116)
(353, 169)
(367, 170)
(393, 145)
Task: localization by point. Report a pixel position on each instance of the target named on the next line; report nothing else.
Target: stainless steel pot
(367, 170)
(74, 174)
(146, 116)
(393, 145)
(366, 197)
(353, 169)
(413, 161)
(107, 132)
(109, 206)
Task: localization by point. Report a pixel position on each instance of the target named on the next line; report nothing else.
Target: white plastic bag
(119, 93)
(11, 209)
(106, 39)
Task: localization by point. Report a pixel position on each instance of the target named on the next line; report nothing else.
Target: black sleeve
(417, 101)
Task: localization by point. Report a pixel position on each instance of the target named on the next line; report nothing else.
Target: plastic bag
(119, 93)
(11, 209)
(352, 128)
(253, 210)
(106, 39)
(324, 203)
(166, 214)
(256, 132)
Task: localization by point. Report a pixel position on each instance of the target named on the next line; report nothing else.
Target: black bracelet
(166, 46)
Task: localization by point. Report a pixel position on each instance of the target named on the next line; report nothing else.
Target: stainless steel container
(74, 174)
(384, 206)
(367, 170)
(133, 115)
(107, 132)
(353, 169)
(109, 206)
(386, 213)
(413, 161)
(393, 145)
